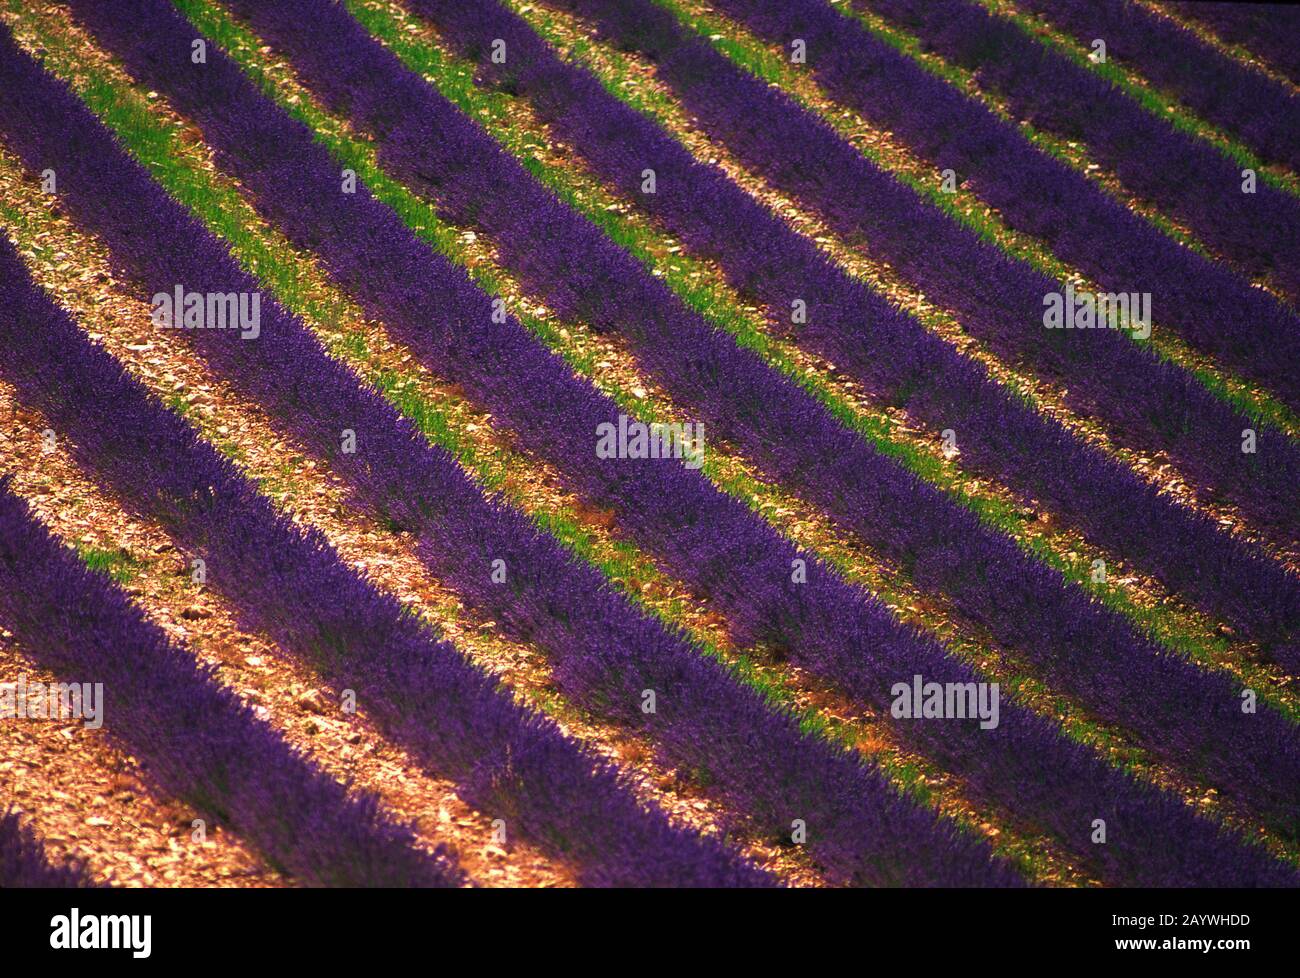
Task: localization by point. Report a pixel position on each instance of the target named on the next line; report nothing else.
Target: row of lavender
(606, 654)
(1267, 29)
(713, 541)
(1262, 112)
(1089, 651)
(1144, 399)
(193, 737)
(1213, 309)
(1186, 177)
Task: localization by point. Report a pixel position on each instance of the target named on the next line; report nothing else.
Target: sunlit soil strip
(157, 576)
(703, 285)
(314, 497)
(1130, 79)
(634, 81)
(766, 62)
(1036, 855)
(637, 400)
(1075, 154)
(1227, 48)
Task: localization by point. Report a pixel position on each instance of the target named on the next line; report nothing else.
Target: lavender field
(649, 443)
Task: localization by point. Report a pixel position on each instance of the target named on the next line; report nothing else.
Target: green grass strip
(117, 564)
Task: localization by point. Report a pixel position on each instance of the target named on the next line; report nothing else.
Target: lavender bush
(1267, 29)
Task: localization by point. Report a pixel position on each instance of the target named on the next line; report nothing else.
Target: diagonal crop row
(1175, 170)
(1108, 375)
(1262, 112)
(743, 566)
(1268, 29)
(194, 738)
(1090, 628)
(763, 257)
(609, 654)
